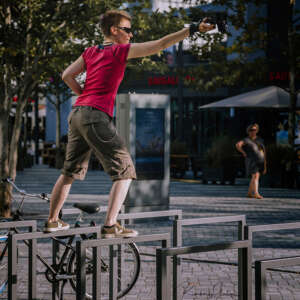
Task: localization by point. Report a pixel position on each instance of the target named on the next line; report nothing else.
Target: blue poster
(150, 141)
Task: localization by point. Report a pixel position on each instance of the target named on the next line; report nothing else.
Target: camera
(219, 20)
(198, 14)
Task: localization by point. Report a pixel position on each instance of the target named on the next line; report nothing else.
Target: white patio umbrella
(269, 97)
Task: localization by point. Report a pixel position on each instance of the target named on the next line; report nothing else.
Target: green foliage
(221, 152)
(242, 60)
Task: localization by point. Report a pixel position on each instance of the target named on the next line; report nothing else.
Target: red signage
(279, 75)
(15, 99)
(166, 80)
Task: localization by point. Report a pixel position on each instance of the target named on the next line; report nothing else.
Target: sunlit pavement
(201, 280)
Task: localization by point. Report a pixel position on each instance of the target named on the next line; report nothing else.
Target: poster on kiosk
(143, 121)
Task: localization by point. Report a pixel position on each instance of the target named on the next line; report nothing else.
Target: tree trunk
(25, 137)
(57, 140)
(13, 155)
(5, 191)
(5, 106)
(59, 153)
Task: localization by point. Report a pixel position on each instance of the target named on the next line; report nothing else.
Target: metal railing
(81, 247)
(261, 267)
(163, 272)
(32, 238)
(244, 246)
(76, 211)
(250, 230)
(177, 235)
(32, 226)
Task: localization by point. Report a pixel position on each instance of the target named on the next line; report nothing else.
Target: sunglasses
(253, 129)
(126, 29)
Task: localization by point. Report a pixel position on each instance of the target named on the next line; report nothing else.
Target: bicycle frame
(17, 216)
(61, 269)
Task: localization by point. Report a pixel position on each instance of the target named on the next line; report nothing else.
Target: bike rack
(261, 267)
(81, 247)
(162, 270)
(248, 234)
(32, 238)
(157, 214)
(177, 213)
(73, 211)
(177, 230)
(32, 226)
(19, 224)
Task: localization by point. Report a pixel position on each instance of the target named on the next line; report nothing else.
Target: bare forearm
(174, 38)
(69, 75)
(153, 47)
(73, 85)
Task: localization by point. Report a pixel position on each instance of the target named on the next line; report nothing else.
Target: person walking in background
(253, 149)
(90, 122)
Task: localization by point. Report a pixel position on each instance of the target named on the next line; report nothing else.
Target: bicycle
(65, 268)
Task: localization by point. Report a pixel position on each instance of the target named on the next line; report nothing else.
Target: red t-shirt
(105, 68)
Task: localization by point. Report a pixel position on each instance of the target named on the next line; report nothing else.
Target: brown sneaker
(56, 226)
(117, 231)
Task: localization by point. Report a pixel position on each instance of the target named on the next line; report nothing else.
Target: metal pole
(242, 261)
(37, 130)
(180, 93)
(161, 276)
(177, 242)
(113, 273)
(260, 281)
(12, 268)
(55, 284)
(32, 252)
(96, 273)
(248, 275)
(97, 270)
(244, 282)
(80, 273)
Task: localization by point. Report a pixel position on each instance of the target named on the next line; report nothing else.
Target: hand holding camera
(209, 23)
(205, 25)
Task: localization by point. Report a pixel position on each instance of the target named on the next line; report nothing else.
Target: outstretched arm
(69, 75)
(153, 47)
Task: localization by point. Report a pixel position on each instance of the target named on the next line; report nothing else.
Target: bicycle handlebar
(24, 193)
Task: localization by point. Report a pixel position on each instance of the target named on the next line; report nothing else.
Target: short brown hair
(253, 125)
(112, 18)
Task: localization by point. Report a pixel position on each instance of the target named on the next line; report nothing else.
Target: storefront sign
(167, 80)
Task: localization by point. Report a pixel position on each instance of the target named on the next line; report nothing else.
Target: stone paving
(201, 280)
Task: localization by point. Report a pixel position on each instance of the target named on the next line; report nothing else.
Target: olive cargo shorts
(93, 130)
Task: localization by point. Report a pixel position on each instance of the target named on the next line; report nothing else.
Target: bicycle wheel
(128, 271)
(3, 266)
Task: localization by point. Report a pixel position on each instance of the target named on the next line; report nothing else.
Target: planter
(222, 174)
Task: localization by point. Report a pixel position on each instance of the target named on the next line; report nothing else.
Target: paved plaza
(206, 276)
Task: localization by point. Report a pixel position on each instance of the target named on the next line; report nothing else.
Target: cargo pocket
(105, 132)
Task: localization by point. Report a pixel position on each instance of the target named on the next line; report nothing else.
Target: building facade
(200, 127)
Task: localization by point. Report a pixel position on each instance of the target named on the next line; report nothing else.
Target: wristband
(194, 27)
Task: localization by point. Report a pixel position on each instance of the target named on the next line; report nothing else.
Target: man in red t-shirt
(90, 121)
